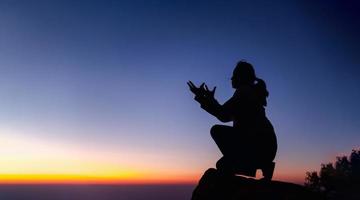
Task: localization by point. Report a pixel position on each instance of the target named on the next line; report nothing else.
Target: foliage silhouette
(339, 180)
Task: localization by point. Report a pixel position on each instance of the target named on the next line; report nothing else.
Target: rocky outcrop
(215, 186)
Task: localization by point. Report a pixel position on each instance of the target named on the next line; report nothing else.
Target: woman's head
(244, 74)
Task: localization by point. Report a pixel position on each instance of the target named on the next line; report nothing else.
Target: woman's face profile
(234, 81)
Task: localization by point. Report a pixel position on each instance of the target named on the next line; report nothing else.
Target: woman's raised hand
(203, 90)
(198, 91)
(209, 93)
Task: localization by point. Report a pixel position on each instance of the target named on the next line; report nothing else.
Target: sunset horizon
(80, 165)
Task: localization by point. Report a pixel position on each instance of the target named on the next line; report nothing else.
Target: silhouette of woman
(251, 143)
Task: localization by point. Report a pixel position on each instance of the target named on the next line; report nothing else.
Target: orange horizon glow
(136, 179)
(80, 179)
(27, 160)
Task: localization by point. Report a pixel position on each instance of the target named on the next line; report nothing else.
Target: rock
(215, 186)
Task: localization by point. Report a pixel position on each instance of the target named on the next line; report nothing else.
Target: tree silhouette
(339, 180)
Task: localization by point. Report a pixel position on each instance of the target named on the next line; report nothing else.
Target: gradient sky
(96, 90)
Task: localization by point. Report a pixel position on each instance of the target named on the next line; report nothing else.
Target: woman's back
(245, 108)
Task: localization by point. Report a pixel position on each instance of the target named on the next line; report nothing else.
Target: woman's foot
(267, 171)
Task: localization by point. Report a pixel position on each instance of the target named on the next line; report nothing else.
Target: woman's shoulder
(245, 94)
(244, 90)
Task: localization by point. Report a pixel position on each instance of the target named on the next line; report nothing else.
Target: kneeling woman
(250, 144)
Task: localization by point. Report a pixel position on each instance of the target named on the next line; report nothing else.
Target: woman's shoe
(267, 171)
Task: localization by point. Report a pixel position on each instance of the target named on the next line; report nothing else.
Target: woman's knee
(215, 130)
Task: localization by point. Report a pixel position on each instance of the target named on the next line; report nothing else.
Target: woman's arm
(212, 106)
(208, 102)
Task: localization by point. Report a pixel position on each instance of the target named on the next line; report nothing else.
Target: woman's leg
(232, 142)
(236, 148)
(224, 137)
(244, 152)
